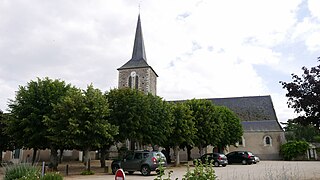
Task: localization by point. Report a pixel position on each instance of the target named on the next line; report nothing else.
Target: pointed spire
(138, 48)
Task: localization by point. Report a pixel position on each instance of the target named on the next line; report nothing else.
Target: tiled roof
(261, 126)
(251, 108)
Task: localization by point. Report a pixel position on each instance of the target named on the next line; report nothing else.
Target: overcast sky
(199, 48)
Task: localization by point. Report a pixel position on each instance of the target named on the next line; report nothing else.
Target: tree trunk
(177, 154)
(34, 155)
(54, 158)
(60, 156)
(166, 153)
(87, 159)
(189, 152)
(103, 156)
(1, 150)
(132, 145)
(201, 150)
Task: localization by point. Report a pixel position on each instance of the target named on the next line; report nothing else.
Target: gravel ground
(264, 170)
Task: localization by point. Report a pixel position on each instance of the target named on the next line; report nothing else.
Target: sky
(199, 48)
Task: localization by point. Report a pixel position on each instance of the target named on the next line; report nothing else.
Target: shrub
(161, 173)
(293, 149)
(87, 172)
(21, 171)
(52, 176)
(200, 172)
(28, 172)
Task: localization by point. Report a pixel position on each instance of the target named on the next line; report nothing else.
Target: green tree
(184, 128)
(32, 104)
(295, 131)
(159, 123)
(6, 141)
(304, 95)
(86, 116)
(207, 123)
(232, 128)
(129, 111)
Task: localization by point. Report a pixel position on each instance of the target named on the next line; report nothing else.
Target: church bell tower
(136, 73)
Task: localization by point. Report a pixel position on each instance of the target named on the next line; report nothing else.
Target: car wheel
(216, 164)
(115, 168)
(224, 165)
(244, 162)
(130, 172)
(145, 170)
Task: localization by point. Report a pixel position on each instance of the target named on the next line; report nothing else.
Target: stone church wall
(147, 79)
(254, 142)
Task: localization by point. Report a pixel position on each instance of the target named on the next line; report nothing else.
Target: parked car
(143, 161)
(256, 159)
(216, 159)
(244, 157)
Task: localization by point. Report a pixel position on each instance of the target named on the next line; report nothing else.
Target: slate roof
(256, 112)
(250, 108)
(261, 126)
(138, 59)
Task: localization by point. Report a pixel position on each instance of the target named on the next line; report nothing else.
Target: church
(263, 134)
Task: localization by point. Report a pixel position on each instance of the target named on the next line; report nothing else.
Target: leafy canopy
(184, 129)
(231, 123)
(304, 95)
(207, 123)
(140, 117)
(31, 105)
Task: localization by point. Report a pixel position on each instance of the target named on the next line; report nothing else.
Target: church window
(241, 142)
(133, 81)
(267, 141)
(137, 82)
(130, 82)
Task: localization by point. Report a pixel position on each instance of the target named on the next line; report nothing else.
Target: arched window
(241, 142)
(267, 140)
(133, 81)
(130, 82)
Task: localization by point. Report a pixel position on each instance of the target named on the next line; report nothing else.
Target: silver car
(143, 161)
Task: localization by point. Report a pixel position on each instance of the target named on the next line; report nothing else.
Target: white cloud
(314, 8)
(199, 48)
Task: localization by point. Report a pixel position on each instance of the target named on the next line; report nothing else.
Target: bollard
(108, 167)
(43, 171)
(67, 169)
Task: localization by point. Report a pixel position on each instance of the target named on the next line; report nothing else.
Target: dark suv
(216, 159)
(143, 161)
(244, 157)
